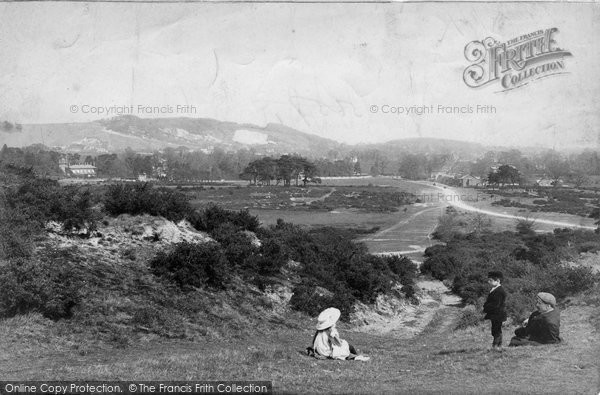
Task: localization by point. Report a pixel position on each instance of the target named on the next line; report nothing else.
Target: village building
(547, 182)
(85, 170)
(470, 181)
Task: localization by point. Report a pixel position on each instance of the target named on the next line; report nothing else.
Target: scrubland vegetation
(530, 262)
(143, 308)
(323, 266)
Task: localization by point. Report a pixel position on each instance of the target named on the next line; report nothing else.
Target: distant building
(546, 182)
(85, 170)
(470, 181)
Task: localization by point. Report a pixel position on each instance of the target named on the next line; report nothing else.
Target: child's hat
(328, 318)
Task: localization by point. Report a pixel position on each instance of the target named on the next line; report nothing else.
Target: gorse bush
(214, 216)
(332, 260)
(142, 198)
(43, 200)
(16, 234)
(311, 299)
(51, 286)
(328, 259)
(195, 265)
(531, 263)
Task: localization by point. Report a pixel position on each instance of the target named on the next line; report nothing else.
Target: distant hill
(140, 134)
(149, 134)
(462, 149)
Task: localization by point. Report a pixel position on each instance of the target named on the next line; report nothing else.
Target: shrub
(469, 316)
(142, 198)
(367, 276)
(52, 288)
(530, 263)
(214, 215)
(42, 200)
(309, 298)
(440, 266)
(525, 226)
(403, 267)
(196, 265)
(448, 226)
(16, 234)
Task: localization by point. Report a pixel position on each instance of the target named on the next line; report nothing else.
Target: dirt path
(410, 235)
(309, 200)
(438, 307)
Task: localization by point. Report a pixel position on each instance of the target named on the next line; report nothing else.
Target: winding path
(464, 206)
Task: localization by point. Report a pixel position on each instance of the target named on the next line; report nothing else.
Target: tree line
(183, 165)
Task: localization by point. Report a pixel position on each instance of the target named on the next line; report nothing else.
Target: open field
(406, 231)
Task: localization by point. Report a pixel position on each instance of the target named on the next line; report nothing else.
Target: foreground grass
(439, 359)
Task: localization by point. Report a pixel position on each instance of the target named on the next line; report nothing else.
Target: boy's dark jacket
(494, 305)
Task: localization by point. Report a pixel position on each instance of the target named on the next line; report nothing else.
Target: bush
(214, 215)
(530, 263)
(311, 299)
(43, 200)
(52, 288)
(16, 234)
(142, 198)
(525, 226)
(469, 317)
(196, 265)
(367, 276)
(448, 226)
(440, 266)
(403, 267)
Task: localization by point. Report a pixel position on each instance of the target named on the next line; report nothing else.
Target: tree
(508, 174)
(413, 167)
(356, 169)
(556, 167)
(310, 173)
(493, 178)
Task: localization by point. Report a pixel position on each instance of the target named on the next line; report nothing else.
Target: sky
(348, 72)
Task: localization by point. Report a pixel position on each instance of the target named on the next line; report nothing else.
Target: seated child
(327, 342)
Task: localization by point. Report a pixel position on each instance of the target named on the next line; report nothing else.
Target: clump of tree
(505, 174)
(284, 170)
(42, 160)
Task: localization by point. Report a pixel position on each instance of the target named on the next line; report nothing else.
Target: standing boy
(494, 308)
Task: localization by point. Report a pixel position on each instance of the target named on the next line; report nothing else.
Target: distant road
(464, 206)
(412, 235)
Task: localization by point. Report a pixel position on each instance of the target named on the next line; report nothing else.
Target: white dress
(328, 344)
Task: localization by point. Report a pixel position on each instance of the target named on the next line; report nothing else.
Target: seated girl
(327, 342)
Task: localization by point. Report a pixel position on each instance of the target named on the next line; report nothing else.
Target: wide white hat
(328, 318)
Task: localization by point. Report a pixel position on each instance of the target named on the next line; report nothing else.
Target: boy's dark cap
(496, 275)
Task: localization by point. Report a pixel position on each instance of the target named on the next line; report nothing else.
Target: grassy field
(439, 359)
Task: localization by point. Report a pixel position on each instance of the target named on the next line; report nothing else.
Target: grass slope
(439, 359)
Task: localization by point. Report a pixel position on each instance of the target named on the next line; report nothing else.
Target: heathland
(138, 282)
